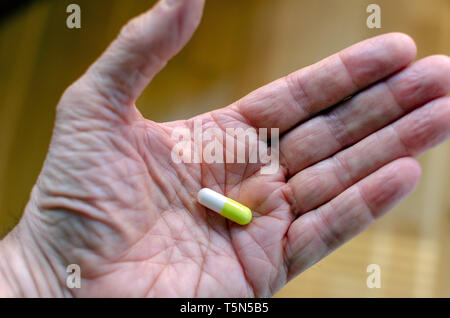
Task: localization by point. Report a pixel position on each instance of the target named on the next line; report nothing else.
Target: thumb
(142, 49)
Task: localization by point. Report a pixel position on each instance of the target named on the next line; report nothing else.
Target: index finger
(298, 96)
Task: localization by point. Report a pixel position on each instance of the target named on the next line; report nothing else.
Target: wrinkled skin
(110, 199)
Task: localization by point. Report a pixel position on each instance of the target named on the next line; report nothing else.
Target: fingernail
(170, 3)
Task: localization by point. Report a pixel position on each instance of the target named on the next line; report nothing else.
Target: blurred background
(239, 46)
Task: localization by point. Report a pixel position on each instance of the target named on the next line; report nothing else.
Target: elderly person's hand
(111, 199)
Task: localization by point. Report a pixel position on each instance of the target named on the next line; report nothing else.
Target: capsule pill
(226, 207)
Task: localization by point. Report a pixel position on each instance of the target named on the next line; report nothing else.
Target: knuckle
(73, 94)
(132, 30)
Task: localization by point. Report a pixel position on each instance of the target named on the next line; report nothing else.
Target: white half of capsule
(211, 199)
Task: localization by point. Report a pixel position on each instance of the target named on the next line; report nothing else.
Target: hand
(110, 199)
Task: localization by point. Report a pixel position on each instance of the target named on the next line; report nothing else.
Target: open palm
(111, 200)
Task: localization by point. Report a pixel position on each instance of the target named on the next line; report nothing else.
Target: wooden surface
(239, 46)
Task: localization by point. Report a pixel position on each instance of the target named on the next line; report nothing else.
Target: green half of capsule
(236, 212)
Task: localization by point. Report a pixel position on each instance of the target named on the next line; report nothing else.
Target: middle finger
(370, 110)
